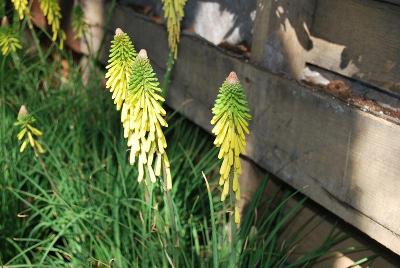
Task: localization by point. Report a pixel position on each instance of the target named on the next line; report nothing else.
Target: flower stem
(167, 75)
(172, 222)
(36, 40)
(232, 201)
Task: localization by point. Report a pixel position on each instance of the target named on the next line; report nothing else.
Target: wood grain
(359, 39)
(280, 35)
(344, 159)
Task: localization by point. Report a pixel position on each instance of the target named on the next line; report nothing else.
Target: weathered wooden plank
(345, 159)
(360, 39)
(280, 35)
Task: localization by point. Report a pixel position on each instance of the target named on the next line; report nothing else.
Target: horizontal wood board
(344, 159)
(359, 39)
(279, 41)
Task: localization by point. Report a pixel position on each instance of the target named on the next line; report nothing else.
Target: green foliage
(174, 12)
(9, 40)
(119, 68)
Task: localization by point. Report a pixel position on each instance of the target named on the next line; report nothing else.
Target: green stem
(167, 75)
(36, 41)
(17, 62)
(147, 217)
(232, 201)
(149, 202)
(171, 215)
(143, 254)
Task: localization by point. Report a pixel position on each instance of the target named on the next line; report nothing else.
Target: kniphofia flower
(28, 134)
(51, 9)
(174, 12)
(142, 116)
(122, 55)
(20, 6)
(231, 116)
(9, 40)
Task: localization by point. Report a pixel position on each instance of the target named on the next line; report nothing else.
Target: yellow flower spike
(230, 120)
(9, 40)
(51, 9)
(173, 12)
(28, 133)
(119, 68)
(142, 116)
(20, 6)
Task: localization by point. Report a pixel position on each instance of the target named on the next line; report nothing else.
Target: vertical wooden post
(95, 15)
(281, 35)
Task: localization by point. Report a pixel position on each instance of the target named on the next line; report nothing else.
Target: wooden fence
(344, 158)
